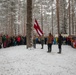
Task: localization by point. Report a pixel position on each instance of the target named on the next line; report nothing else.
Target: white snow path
(20, 61)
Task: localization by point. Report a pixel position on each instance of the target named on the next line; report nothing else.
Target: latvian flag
(37, 28)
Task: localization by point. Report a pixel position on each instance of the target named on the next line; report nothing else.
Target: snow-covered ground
(21, 61)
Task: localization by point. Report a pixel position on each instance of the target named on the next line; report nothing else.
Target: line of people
(50, 40)
(7, 41)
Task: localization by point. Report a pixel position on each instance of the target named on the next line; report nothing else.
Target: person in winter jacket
(42, 41)
(34, 41)
(0, 41)
(60, 41)
(49, 42)
(19, 40)
(4, 41)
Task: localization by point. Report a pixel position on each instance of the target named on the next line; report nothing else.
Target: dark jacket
(0, 40)
(60, 40)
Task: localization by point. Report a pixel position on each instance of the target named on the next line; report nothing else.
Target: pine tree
(29, 24)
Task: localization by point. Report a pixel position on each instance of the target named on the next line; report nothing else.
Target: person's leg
(34, 44)
(42, 44)
(50, 47)
(0, 47)
(59, 46)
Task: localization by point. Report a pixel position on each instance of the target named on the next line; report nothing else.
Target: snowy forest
(53, 16)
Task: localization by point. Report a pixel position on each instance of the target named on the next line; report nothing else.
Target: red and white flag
(37, 28)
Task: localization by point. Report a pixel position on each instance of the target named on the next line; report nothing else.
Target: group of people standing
(8, 41)
(19, 40)
(50, 39)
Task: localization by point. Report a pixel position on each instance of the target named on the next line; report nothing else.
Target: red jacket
(19, 39)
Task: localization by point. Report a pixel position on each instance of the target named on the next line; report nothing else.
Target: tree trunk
(29, 24)
(69, 20)
(52, 16)
(72, 18)
(57, 7)
(41, 18)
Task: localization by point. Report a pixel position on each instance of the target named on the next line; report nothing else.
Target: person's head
(43, 35)
(49, 34)
(59, 34)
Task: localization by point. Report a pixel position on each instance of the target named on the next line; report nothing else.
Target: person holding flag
(34, 41)
(42, 41)
(40, 32)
